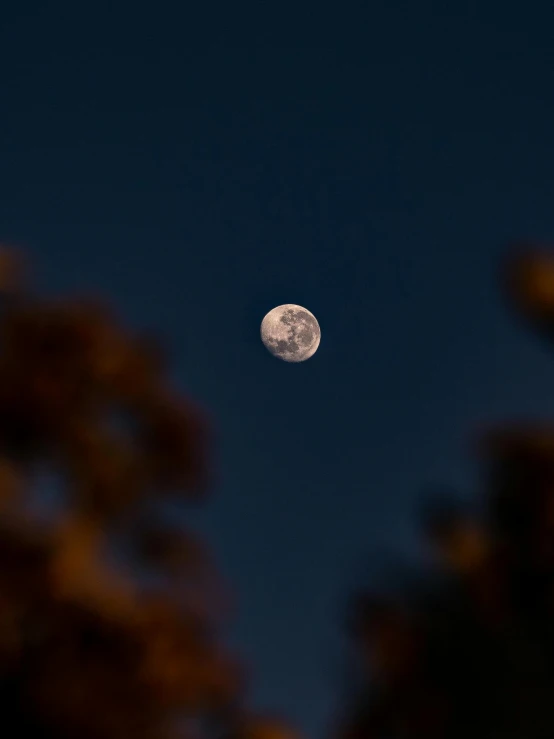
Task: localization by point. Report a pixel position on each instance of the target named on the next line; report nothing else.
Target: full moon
(291, 333)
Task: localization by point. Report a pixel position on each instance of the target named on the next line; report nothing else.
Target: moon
(291, 333)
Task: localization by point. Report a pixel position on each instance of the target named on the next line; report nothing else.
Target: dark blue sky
(370, 169)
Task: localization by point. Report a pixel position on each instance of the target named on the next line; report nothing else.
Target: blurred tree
(471, 653)
(108, 609)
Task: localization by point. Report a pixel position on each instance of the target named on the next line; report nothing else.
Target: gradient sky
(371, 170)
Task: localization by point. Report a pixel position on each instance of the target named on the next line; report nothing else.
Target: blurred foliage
(470, 652)
(109, 607)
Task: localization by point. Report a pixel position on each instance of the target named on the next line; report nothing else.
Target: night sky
(199, 172)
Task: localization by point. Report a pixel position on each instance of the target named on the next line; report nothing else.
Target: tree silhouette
(109, 607)
(470, 652)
